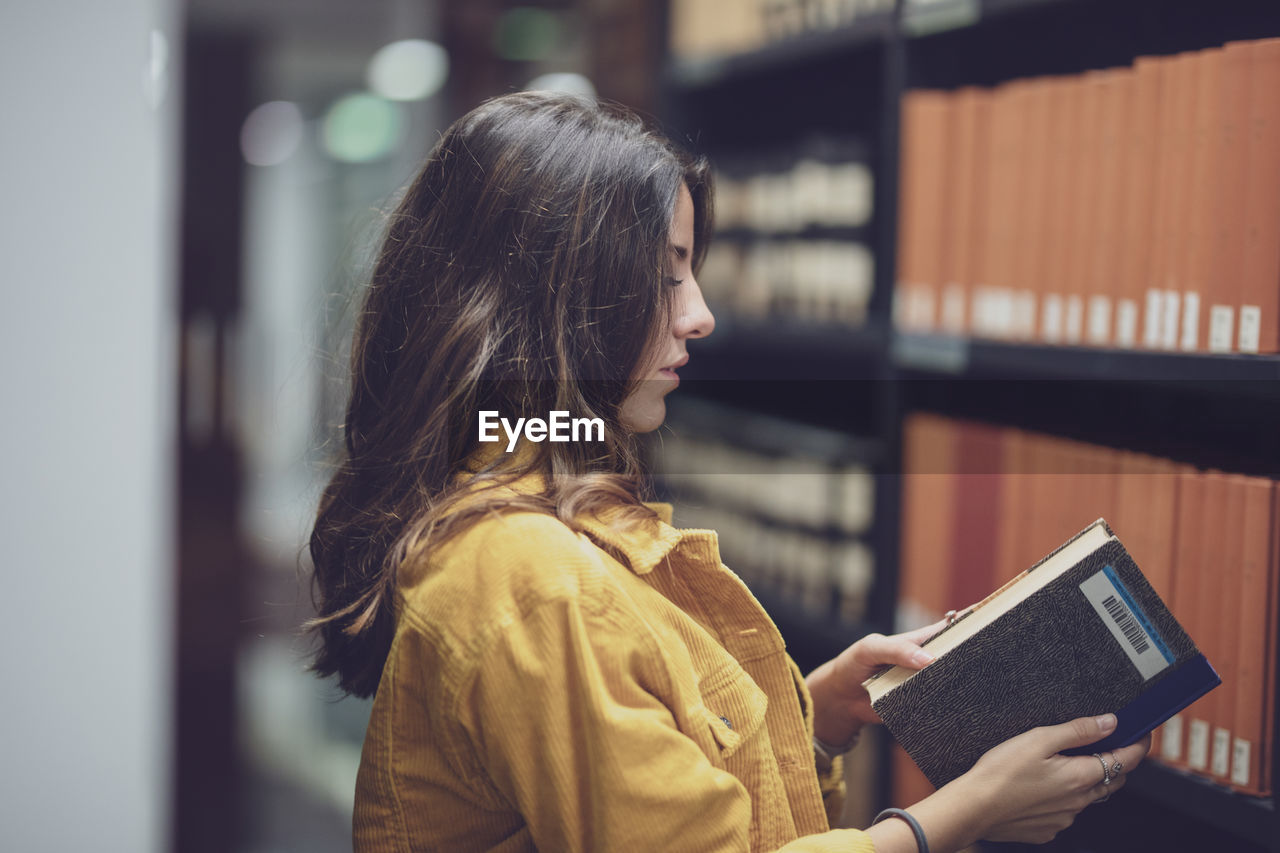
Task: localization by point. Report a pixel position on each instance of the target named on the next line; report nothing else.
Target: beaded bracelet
(916, 829)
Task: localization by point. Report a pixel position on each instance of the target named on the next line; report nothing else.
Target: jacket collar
(643, 546)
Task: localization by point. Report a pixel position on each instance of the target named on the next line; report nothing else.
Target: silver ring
(1103, 798)
(1106, 769)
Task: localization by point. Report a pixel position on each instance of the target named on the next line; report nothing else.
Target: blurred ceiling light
(574, 84)
(271, 133)
(527, 34)
(362, 127)
(408, 70)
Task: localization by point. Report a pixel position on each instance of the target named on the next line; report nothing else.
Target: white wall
(87, 246)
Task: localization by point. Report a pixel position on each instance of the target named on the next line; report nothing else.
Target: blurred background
(195, 190)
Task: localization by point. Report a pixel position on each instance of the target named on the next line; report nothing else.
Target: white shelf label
(1221, 761)
(1221, 320)
(1240, 761)
(1190, 321)
(1198, 745)
(1250, 328)
(1127, 324)
(1171, 739)
(1151, 320)
(1169, 319)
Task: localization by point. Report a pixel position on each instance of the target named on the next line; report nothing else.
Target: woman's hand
(1036, 792)
(1021, 790)
(841, 705)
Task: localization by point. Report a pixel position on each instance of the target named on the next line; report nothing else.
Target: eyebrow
(680, 252)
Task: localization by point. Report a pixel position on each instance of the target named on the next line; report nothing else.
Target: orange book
(1205, 178)
(1139, 203)
(1053, 245)
(1259, 316)
(964, 214)
(992, 296)
(1114, 150)
(1228, 249)
(1016, 508)
(1183, 605)
(1256, 648)
(905, 260)
(1227, 579)
(1078, 106)
(1162, 513)
(1096, 319)
(913, 217)
(1160, 69)
(977, 501)
(1024, 289)
(1203, 715)
(1132, 503)
(926, 552)
(1181, 93)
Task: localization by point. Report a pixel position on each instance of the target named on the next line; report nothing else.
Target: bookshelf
(1219, 410)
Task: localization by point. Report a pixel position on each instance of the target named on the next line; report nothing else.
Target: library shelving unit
(1220, 411)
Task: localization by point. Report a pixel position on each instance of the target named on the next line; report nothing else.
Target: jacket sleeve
(564, 713)
(830, 773)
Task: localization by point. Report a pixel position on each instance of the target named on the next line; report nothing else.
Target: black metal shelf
(833, 350)
(840, 233)
(972, 357)
(1250, 818)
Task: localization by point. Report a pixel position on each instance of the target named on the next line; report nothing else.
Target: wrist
(961, 810)
(834, 722)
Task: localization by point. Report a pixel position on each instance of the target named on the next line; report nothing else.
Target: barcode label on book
(1127, 623)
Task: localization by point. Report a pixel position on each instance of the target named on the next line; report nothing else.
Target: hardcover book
(1078, 634)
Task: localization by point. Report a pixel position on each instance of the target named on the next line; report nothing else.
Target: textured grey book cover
(1096, 639)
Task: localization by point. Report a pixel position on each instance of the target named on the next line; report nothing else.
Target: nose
(693, 317)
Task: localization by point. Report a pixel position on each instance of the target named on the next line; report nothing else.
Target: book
(1078, 634)
(1256, 641)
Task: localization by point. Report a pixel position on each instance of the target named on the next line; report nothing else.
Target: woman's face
(645, 409)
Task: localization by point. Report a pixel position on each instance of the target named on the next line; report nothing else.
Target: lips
(669, 371)
(683, 360)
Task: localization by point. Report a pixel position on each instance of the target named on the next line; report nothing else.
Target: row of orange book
(982, 503)
(1132, 207)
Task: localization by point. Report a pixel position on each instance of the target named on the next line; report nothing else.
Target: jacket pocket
(733, 708)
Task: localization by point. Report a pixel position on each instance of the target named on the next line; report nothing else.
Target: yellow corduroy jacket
(542, 695)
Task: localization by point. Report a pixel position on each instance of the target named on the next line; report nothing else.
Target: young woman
(555, 666)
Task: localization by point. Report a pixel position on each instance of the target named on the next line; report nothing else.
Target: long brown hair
(521, 272)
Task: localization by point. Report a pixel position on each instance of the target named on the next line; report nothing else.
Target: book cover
(1078, 634)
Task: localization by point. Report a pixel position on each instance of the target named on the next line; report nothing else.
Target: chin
(648, 417)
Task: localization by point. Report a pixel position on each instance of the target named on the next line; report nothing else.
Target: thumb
(1081, 731)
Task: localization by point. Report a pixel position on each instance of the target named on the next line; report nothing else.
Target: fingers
(1131, 756)
(877, 650)
(1100, 793)
(919, 635)
(1081, 731)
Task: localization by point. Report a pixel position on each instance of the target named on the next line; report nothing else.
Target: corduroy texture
(542, 695)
